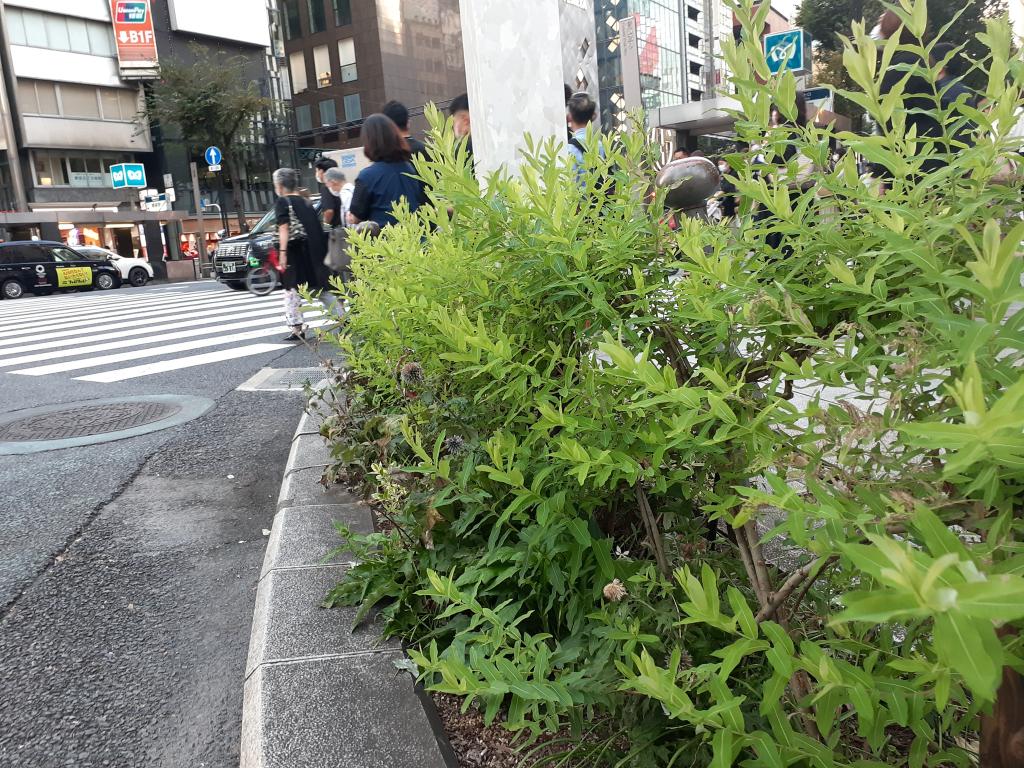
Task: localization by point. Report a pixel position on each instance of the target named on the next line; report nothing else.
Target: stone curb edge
(316, 692)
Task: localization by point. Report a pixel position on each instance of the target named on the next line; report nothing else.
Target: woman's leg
(293, 310)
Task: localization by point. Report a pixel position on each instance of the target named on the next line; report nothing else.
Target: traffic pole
(199, 214)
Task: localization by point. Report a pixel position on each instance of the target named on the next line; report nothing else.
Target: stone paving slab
(346, 712)
(305, 536)
(318, 693)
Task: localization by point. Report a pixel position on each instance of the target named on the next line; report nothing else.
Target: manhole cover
(69, 425)
(286, 379)
(84, 421)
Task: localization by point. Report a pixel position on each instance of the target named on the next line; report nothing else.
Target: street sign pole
(200, 225)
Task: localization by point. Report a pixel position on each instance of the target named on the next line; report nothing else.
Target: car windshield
(267, 225)
(66, 254)
(97, 253)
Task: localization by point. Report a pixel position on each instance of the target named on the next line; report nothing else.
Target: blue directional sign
(213, 156)
(785, 50)
(127, 175)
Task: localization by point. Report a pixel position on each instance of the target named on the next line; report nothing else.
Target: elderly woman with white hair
(302, 247)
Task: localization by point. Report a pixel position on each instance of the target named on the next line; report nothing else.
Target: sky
(787, 8)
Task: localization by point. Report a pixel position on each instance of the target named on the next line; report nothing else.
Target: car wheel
(14, 290)
(138, 277)
(105, 281)
(235, 285)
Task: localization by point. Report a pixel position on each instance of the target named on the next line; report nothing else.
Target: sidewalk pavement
(317, 693)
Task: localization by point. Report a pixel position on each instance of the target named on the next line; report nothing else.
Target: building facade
(680, 52)
(347, 58)
(73, 84)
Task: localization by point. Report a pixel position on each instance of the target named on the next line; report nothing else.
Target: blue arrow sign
(785, 50)
(213, 156)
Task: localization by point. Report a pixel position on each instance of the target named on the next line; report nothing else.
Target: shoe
(300, 336)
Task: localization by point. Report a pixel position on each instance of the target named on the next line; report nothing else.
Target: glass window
(35, 29)
(342, 13)
(27, 101)
(353, 108)
(317, 19)
(16, 26)
(322, 65)
(78, 175)
(101, 39)
(347, 60)
(57, 33)
(111, 104)
(66, 254)
(328, 113)
(292, 23)
(47, 95)
(129, 104)
(303, 118)
(44, 175)
(297, 66)
(79, 101)
(78, 35)
(94, 172)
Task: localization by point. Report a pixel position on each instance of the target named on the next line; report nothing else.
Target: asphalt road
(128, 569)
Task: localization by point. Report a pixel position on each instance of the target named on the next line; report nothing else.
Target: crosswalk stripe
(142, 341)
(54, 340)
(125, 305)
(164, 366)
(186, 346)
(56, 303)
(112, 316)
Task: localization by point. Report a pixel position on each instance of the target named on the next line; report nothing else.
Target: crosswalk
(119, 336)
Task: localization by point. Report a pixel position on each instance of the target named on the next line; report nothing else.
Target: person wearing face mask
(458, 110)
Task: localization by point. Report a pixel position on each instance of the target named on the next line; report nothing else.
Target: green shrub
(591, 419)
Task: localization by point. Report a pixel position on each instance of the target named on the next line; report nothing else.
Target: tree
(827, 21)
(211, 101)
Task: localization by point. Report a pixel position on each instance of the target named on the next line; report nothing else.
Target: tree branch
(647, 515)
(795, 580)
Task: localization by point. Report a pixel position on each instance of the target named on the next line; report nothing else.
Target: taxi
(41, 266)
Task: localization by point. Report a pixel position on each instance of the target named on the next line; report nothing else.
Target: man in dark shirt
(398, 113)
(329, 206)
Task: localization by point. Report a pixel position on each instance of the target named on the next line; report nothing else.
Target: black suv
(43, 267)
(232, 258)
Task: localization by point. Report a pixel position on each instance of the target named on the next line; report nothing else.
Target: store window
(328, 113)
(79, 101)
(353, 108)
(342, 13)
(317, 18)
(347, 60)
(303, 118)
(79, 170)
(40, 97)
(297, 66)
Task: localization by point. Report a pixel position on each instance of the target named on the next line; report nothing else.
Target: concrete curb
(317, 693)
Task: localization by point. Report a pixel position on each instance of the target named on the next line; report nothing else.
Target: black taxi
(41, 266)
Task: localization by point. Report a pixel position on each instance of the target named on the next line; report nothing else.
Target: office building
(679, 49)
(346, 58)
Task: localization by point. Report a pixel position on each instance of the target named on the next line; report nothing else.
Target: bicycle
(265, 271)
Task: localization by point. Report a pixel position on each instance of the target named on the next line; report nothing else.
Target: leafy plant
(742, 495)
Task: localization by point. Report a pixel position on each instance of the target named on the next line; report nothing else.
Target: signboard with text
(127, 175)
(135, 39)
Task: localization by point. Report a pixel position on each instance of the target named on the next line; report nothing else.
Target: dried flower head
(454, 445)
(411, 374)
(614, 592)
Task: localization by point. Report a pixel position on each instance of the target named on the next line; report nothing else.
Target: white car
(135, 272)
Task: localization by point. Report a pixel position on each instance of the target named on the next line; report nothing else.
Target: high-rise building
(679, 47)
(346, 58)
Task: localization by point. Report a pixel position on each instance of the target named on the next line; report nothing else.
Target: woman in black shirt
(302, 247)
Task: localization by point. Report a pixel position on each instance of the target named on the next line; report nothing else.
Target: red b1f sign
(136, 42)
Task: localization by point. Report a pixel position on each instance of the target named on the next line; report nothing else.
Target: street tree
(827, 21)
(210, 101)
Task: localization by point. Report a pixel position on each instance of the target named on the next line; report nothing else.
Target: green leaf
(603, 554)
(722, 749)
(970, 648)
(999, 598)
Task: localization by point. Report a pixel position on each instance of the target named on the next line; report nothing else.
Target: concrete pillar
(513, 55)
(155, 249)
(48, 230)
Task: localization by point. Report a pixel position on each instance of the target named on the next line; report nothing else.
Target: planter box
(181, 271)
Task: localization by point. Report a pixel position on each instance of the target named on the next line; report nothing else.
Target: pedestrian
(680, 154)
(301, 247)
(458, 110)
(580, 113)
(336, 184)
(727, 192)
(329, 206)
(390, 177)
(399, 115)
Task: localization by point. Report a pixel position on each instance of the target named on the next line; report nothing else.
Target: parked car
(43, 267)
(135, 272)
